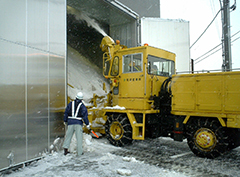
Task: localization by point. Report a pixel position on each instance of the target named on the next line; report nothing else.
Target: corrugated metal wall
(32, 76)
(126, 33)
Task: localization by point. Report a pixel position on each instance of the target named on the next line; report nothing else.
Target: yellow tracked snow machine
(147, 99)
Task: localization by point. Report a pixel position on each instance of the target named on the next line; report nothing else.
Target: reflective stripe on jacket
(76, 113)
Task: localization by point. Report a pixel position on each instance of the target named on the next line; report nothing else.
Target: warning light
(177, 124)
(117, 42)
(146, 44)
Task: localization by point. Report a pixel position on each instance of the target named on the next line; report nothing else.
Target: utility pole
(227, 54)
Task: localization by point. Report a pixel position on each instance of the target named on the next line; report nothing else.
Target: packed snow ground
(97, 161)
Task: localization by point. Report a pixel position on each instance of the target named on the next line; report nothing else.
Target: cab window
(106, 65)
(114, 71)
(132, 63)
(160, 66)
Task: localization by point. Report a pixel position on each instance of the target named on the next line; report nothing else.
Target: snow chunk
(57, 145)
(88, 142)
(51, 146)
(127, 159)
(56, 141)
(116, 107)
(124, 172)
(131, 159)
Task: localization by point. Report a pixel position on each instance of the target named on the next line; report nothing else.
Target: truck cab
(136, 74)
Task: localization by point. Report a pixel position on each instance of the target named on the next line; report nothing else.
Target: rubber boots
(66, 151)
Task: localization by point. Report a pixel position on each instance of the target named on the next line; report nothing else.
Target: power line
(217, 47)
(199, 60)
(236, 33)
(214, 12)
(207, 56)
(205, 29)
(207, 52)
(233, 7)
(213, 52)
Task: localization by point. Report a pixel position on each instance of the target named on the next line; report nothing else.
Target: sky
(200, 13)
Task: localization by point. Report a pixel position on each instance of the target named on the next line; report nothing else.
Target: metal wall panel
(126, 33)
(37, 24)
(149, 8)
(12, 96)
(57, 64)
(57, 28)
(37, 101)
(13, 20)
(32, 77)
(56, 95)
(12, 82)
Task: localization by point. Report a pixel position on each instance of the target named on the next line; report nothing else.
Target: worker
(74, 116)
(154, 69)
(132, 64)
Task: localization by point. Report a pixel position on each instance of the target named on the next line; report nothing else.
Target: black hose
(164, 87)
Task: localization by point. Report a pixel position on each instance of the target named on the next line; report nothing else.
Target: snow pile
(58, 142)
(98, 122)
(86, 144)
(83, 76)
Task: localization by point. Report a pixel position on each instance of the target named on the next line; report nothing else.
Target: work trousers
(79, 136)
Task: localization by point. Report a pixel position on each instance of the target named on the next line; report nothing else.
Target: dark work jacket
(81, 113)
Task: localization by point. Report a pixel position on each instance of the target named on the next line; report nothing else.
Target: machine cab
(136, 74)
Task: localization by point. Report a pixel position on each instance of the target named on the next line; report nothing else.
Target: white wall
(170, 35)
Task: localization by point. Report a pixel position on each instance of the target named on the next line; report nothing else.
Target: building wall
(32, 77)
(171, 35)
(127, 33)
(145, 8)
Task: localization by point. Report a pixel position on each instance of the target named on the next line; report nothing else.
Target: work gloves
(88, 127)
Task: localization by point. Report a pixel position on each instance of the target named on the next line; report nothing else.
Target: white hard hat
(79, 96)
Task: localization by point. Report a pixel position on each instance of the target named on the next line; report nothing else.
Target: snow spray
(91, 22)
